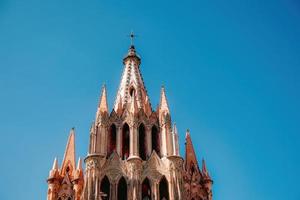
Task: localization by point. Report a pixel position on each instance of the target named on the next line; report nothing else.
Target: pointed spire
(133, 105)
(190, 155)
(204, 170)
(163, 105)
(175, 140)
(69, 156)
(79, 164)
(175, 129)
(55, 164)
(103, 107)
(131, 81)
(119, 107)
(147, 107)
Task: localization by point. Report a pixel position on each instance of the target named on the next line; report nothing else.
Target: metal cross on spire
(132, 36)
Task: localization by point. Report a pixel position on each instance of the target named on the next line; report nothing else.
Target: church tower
(133, 152)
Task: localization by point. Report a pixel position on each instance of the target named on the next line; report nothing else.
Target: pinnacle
(79, 164)
(55, 164)
(69, 156)
(103, 107)
(187, 134)
(163, 105)
(175, 129)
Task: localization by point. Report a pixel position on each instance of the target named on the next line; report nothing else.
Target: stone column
(149, 140)
(155, 190)
(113, 190)
(134, 150)
(163, 134)
(119, 139)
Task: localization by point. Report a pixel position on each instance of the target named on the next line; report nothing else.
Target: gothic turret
(66, 182)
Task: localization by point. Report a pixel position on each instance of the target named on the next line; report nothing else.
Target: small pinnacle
(55, 164)
(79, 164)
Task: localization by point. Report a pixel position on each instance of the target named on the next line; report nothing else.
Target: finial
(132, 36)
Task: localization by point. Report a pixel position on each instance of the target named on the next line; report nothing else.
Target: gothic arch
(163, 189)
(112, 139)
(122, 189)
(142, 142)
(155, 140)
(146, 189)
(125, 141)
(105, 187)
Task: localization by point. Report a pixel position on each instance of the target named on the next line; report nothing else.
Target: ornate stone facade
(133, 152)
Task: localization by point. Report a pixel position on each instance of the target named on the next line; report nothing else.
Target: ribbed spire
(131, 83)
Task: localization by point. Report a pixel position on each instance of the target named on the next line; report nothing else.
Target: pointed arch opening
(155, 140)
(146, 190)
(163, 189)
(122, 189)
(112, 139)
(105, 188)
(125, 141)
(142, 142)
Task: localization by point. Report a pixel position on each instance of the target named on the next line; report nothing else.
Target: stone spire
(191, 162)
(175, 140)
(204, 170)
(55, 164)
(79, 164)
(54, 171)
(163, 105)
(103, 106)
(131, 83)
(68, 164)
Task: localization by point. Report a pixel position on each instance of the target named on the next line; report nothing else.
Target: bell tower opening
(146, 190)
(155, 140)
(105, 188)
(142, 142)
(122, 189)
(125, 141)
(112, 137)
(163, 189)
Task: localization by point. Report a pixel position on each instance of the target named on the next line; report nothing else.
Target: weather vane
(132, 36)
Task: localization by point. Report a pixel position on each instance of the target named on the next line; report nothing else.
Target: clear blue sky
(231, 71)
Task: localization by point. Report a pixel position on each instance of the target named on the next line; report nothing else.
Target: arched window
(125, 141)
(122, 189)
(142, 142)
(105, 188)
(155, 140)
(163, 189)
(146, 190)
(132, 91)
(112, 138)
